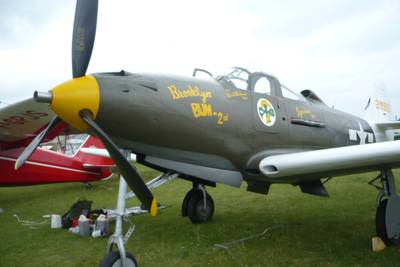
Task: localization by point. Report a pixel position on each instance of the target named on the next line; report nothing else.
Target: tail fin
(378, 108)
(379, 114)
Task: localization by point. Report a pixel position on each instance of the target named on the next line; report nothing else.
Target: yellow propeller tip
(153, 208)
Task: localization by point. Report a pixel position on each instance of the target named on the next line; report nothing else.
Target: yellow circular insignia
(266, 112)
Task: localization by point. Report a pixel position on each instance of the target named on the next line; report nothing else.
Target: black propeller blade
(131, 176)
(35, 143)
(83, 35)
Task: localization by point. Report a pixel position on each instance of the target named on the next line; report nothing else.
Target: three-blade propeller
(82, 45)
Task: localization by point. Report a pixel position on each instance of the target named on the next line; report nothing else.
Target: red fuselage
(46, 166)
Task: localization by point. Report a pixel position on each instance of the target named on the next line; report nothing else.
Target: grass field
(305, 230)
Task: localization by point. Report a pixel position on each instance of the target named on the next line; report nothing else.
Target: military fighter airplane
(239, 127)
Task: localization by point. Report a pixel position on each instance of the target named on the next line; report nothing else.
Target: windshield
(66, 144)
(238, 77)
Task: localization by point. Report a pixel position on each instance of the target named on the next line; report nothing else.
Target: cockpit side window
(287, 93)
(262, 86)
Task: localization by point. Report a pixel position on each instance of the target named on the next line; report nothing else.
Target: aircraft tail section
(378, 107)
(379, 114)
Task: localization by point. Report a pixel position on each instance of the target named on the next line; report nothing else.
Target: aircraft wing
(23, 120)
(316, 164)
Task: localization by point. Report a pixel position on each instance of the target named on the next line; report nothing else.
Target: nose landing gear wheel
(113, 259)
(198, 210)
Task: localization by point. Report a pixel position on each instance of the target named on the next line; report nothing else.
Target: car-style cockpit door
(269, 113)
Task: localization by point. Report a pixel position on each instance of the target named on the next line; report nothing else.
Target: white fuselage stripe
(50, 166)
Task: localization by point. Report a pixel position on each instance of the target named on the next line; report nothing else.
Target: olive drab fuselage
(212, 123)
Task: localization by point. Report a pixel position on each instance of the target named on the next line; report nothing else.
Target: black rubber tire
(380, 224)
(185, 202)
(112, 260)
(195, 210)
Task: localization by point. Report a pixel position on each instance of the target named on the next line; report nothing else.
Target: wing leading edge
(312, 165)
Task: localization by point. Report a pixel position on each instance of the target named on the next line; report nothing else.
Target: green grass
(311, 231)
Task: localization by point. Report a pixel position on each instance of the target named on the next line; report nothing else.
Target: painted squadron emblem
(266, 112)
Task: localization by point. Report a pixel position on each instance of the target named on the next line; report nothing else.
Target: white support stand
(156, 182)
(136, 210)
(116, 238)
(121, 214)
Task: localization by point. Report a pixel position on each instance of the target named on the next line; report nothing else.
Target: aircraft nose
(70, 97)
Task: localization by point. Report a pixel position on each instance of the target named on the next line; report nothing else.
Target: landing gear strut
(120, 257)
(387, 220)
(198, 205)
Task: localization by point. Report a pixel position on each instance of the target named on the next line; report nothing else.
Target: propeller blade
(83, 35)
(130, 175)
(35, 143)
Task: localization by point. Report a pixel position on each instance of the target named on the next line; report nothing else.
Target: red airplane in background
(19, 124)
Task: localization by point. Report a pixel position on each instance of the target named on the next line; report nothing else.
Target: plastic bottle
(102, 225)
(84, 226)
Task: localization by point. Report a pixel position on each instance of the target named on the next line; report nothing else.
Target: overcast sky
(337, 48)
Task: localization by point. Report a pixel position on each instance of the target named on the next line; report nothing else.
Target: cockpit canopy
(238, 77)
(259, 82)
